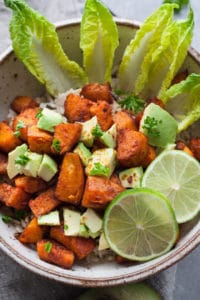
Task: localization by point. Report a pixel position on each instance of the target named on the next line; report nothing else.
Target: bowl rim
(165, 261)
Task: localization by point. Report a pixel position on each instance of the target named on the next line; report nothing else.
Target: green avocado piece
(86, 135)
(51, 219)
(109, 137)
(92, 220)
(12, 168)
(72, 222)
(84, 153)
(49, 119)
(131, 178)
(33, 164)
(48, 168)
(83, 231)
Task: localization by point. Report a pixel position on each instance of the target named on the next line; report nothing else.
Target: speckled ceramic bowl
(15, 80)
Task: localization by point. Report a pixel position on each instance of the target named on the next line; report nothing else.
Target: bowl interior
(16, 80)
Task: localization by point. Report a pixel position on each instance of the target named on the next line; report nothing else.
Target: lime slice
(176, 175)
(140, 224)
(137, 291)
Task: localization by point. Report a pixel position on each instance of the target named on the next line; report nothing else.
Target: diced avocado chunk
(103, 245)
(49, 119)
(83, 232)
(84, 153)
(94, 235)
(102, 158)
(86, 135)
(72, 221)
(159, 126)
(12, 168)
(92, 220)
(131, 178)
(48, 168)
(51, 219)
(109, 137)
(33, 164)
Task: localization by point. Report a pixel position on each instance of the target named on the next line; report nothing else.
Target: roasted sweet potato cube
(39, 140)
(3, 164)
(182, 146)
(21, 103)
(44, 203)
(96, 91)
(13, 196)
(124, 120)
(71, 180)
(81, 247)
(132, 148)
(8, 141)
(99, 192)
(30, 185)
(195, 147)
(5, 192)
(77, 109)
(32, 233)
(67, 135)
(150, 157)
(115, 178)
(27, 118)
(102, 110)
(52, 252)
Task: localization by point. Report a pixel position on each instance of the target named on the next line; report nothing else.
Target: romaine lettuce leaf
(183, 101)
(36, 44)
(99, 39)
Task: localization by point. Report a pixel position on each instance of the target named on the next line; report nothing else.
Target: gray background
(19, 284)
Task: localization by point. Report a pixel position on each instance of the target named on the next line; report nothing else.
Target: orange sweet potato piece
(8, 141)
(39, 140)
(150, 157)
(115, 178)
(44, 203)
(182, 146)
(5, 192)
(67, 135)
(102, 110)
(56, 254)
(13, 196)
(3, 164)
(123, 120)
(81, 247)
(77, 109)
(21, 103)
(195, 147)
(28, 117)
(30, 185)
(71, 180)
(32, 233)
(96, 91)
(99, 191)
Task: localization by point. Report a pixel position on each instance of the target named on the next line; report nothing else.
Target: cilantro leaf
(19, 125)
(97, 132)
(56, 145)
(39, 113)
(22, 160)
(48, 247)
(6, 219)
(132, 102)
(179, 2)
(66, 226)
(100, 170)
(151, 125)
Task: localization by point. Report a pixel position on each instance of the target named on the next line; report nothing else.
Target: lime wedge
(140, 224)
(137, 291)
(176, 175)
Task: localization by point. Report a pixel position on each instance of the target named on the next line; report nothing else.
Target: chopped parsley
(119, 92)
(48, 247)
(22, 160)
(19, 125)
(179, 2)
(151, 125)
(97, 132)
(6, 219)
(66, 226)
(56, 145)
(132, 102)
(39, 113)
(100, 170)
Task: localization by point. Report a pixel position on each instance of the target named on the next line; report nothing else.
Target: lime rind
(141, 231)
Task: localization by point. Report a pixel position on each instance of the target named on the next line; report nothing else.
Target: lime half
(176, 175)
(140, 224)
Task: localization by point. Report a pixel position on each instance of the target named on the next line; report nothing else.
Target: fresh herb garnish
(179, 2)
(97, 132)
(100, 170)
(56, 145)
(119, 92)
(39, 113)
(132, 102)
(22, 160)
(66, 226)
(48, 247)
(6, 219)
(19, 125)
(151, 125)
(19, 214)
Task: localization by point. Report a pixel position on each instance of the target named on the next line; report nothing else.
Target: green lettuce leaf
(183, 101)
(136, 61)
(99, 39)
(36, 44)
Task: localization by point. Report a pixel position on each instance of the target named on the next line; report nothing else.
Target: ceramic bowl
(16, 80)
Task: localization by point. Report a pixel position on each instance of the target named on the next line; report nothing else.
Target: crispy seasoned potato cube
(21, 103)
(123, 120)
(8, 141)
(39, 140)
(27, 118)
(182, 146)
(52, 252)
(99, 192)
(102, 110)
(150, 157)
(115, 178)
(13, 196)
(71, 180)
(5, 192)
(77, 109)
(132, 148)
(81, 247)
(44, 203)
(32, 233)
(67, 135)
(195, 147)
(30, 185)
(3, 164)
(96, 91)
